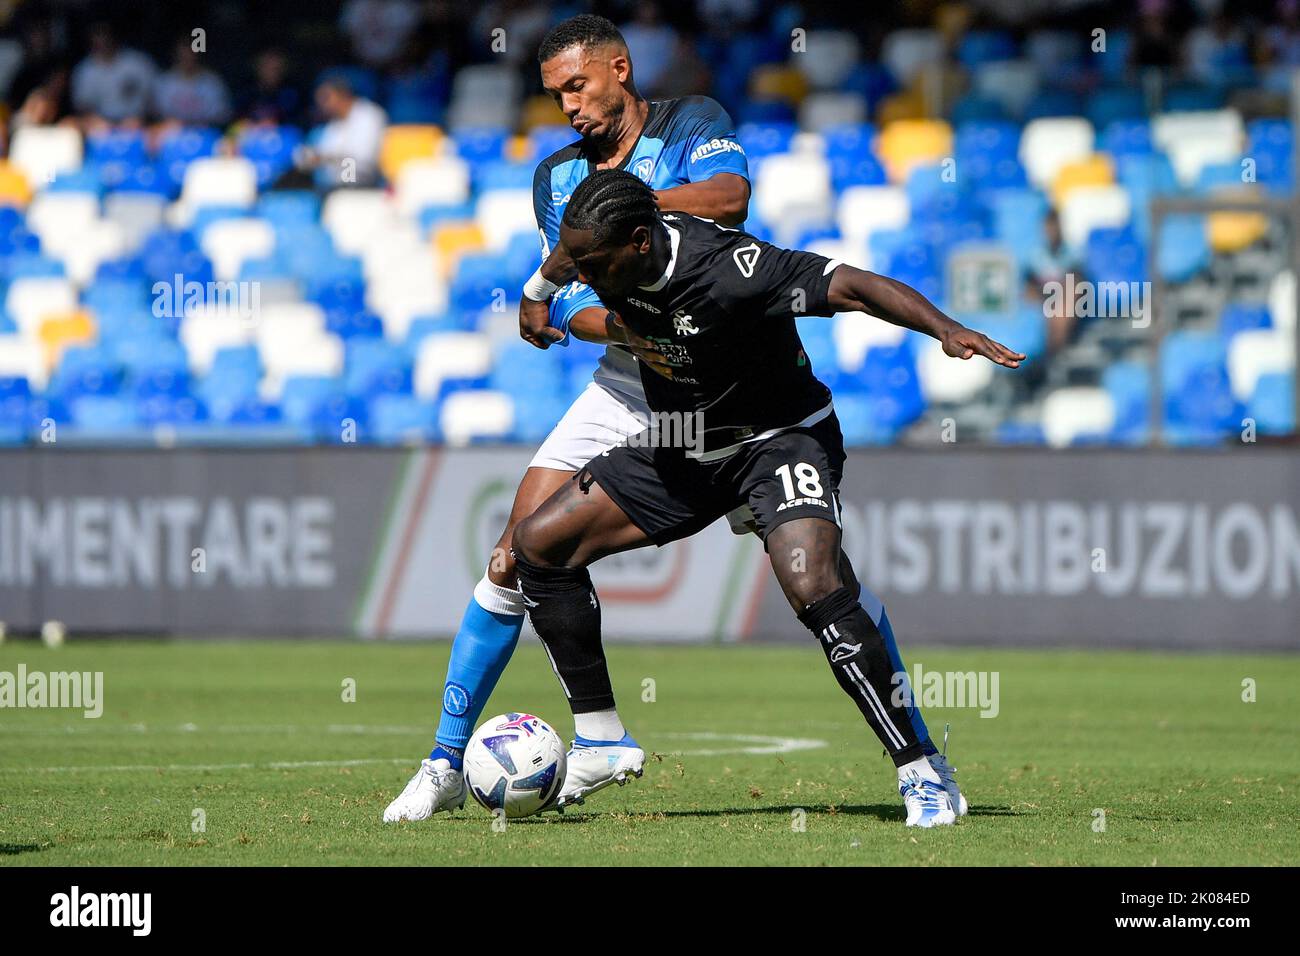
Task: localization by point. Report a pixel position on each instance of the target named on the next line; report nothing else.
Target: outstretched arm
(853, 290)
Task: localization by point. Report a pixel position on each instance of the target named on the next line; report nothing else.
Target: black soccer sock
(857, 655)
(565, 613)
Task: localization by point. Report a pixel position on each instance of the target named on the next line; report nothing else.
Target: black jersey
(723, 314)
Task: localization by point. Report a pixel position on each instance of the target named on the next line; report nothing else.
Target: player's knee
(532, 542)
(810, 585)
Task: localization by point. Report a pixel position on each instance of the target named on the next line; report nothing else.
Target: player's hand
(645, 350)
(961, 342)
(535, 324)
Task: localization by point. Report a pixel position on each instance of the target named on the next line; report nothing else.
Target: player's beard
(612, 111)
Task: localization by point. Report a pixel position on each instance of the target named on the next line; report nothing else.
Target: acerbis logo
(643, 169)
(746, 257)
(716, 146)
(643, 305)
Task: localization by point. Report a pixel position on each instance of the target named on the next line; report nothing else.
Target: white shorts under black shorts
(598, 420)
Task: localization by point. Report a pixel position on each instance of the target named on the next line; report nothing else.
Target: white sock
(498, 600)
(599, 725)
(921, 767)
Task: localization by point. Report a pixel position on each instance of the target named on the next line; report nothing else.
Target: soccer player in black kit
(720, 307)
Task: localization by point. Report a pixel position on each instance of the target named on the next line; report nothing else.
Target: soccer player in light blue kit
(686, 149)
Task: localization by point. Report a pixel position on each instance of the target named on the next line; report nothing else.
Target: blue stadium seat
(116, 152)
(1273, 404)
(1184, 248)
(1186, 352)
(86, 370)
(1129, 385)
(985, 46)
(84, 180)
(536, 416)
(526, 373)
(1124, 137)
(1243, 316)
(105, 413)
(481, 144)
(290, 207)
(400, 419)
(170, 409)
(1112, 104)
(181, 147)
(375, 366)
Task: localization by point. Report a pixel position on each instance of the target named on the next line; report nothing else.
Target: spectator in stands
(114, 84)
(1280, 45)
(1053, 261)
(189, 93)
(41, 62)
(1216, 52)
(346, 150)
(272, 99)
(379, 29)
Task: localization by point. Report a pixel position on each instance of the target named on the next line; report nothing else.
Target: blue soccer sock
(487, 637)
(876, 611)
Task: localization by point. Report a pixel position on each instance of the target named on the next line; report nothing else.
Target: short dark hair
(611, 203)
(585, 30)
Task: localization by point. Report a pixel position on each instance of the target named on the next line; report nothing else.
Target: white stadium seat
(100, 240)
(1049, 143)
(42, 152)
(1258, 352)
(504, 213)
(1281, 300)
(31, 299)
(441, 181)
(1197, 139)
(23, 357)
(1069, 413)
(792, 186)
(137, 213)
(450, 355)
(820, 111)
(907, 52)
(1093, 207)
(204, 331)
(829, 56)
(228, 242)
(946, 380)
(856, 332)
(61, 218)
(864, 210)
(353, 216)
(217, 181)
(476, 414)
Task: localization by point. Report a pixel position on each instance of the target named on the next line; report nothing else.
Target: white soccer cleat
(594, 765)
(926, 801)
(435, 786)
(946, 771)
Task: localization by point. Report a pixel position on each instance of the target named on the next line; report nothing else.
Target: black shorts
(669, 496)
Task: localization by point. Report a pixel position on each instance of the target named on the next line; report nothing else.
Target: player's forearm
(596, 325)
(723, 198)
(888, 299)
(559, 267)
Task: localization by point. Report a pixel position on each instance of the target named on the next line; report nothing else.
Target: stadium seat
(793, 190)
(452, 357)
(830, 57)
(502, 214)
(231, 241)
(1012, 84)
(1184, 248)
(1074, 413)
(207, 331)
(402, 419)
(906, 144)
(1093, 207)
(907, 52)
(1047, 145)
(218, 181)
(1095, 170)
(29, 300)
(947, 381)
(42, 152)
(443, 181)
(1193, 140)
(1255, 353)
(22, 357)
(1272, 404)
(865, 210)
(352, 216)
(477, 415)
(270, 150)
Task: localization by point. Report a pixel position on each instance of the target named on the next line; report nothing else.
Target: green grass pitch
(257, 736)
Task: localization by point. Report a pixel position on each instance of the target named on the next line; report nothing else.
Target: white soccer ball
(515, 763)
